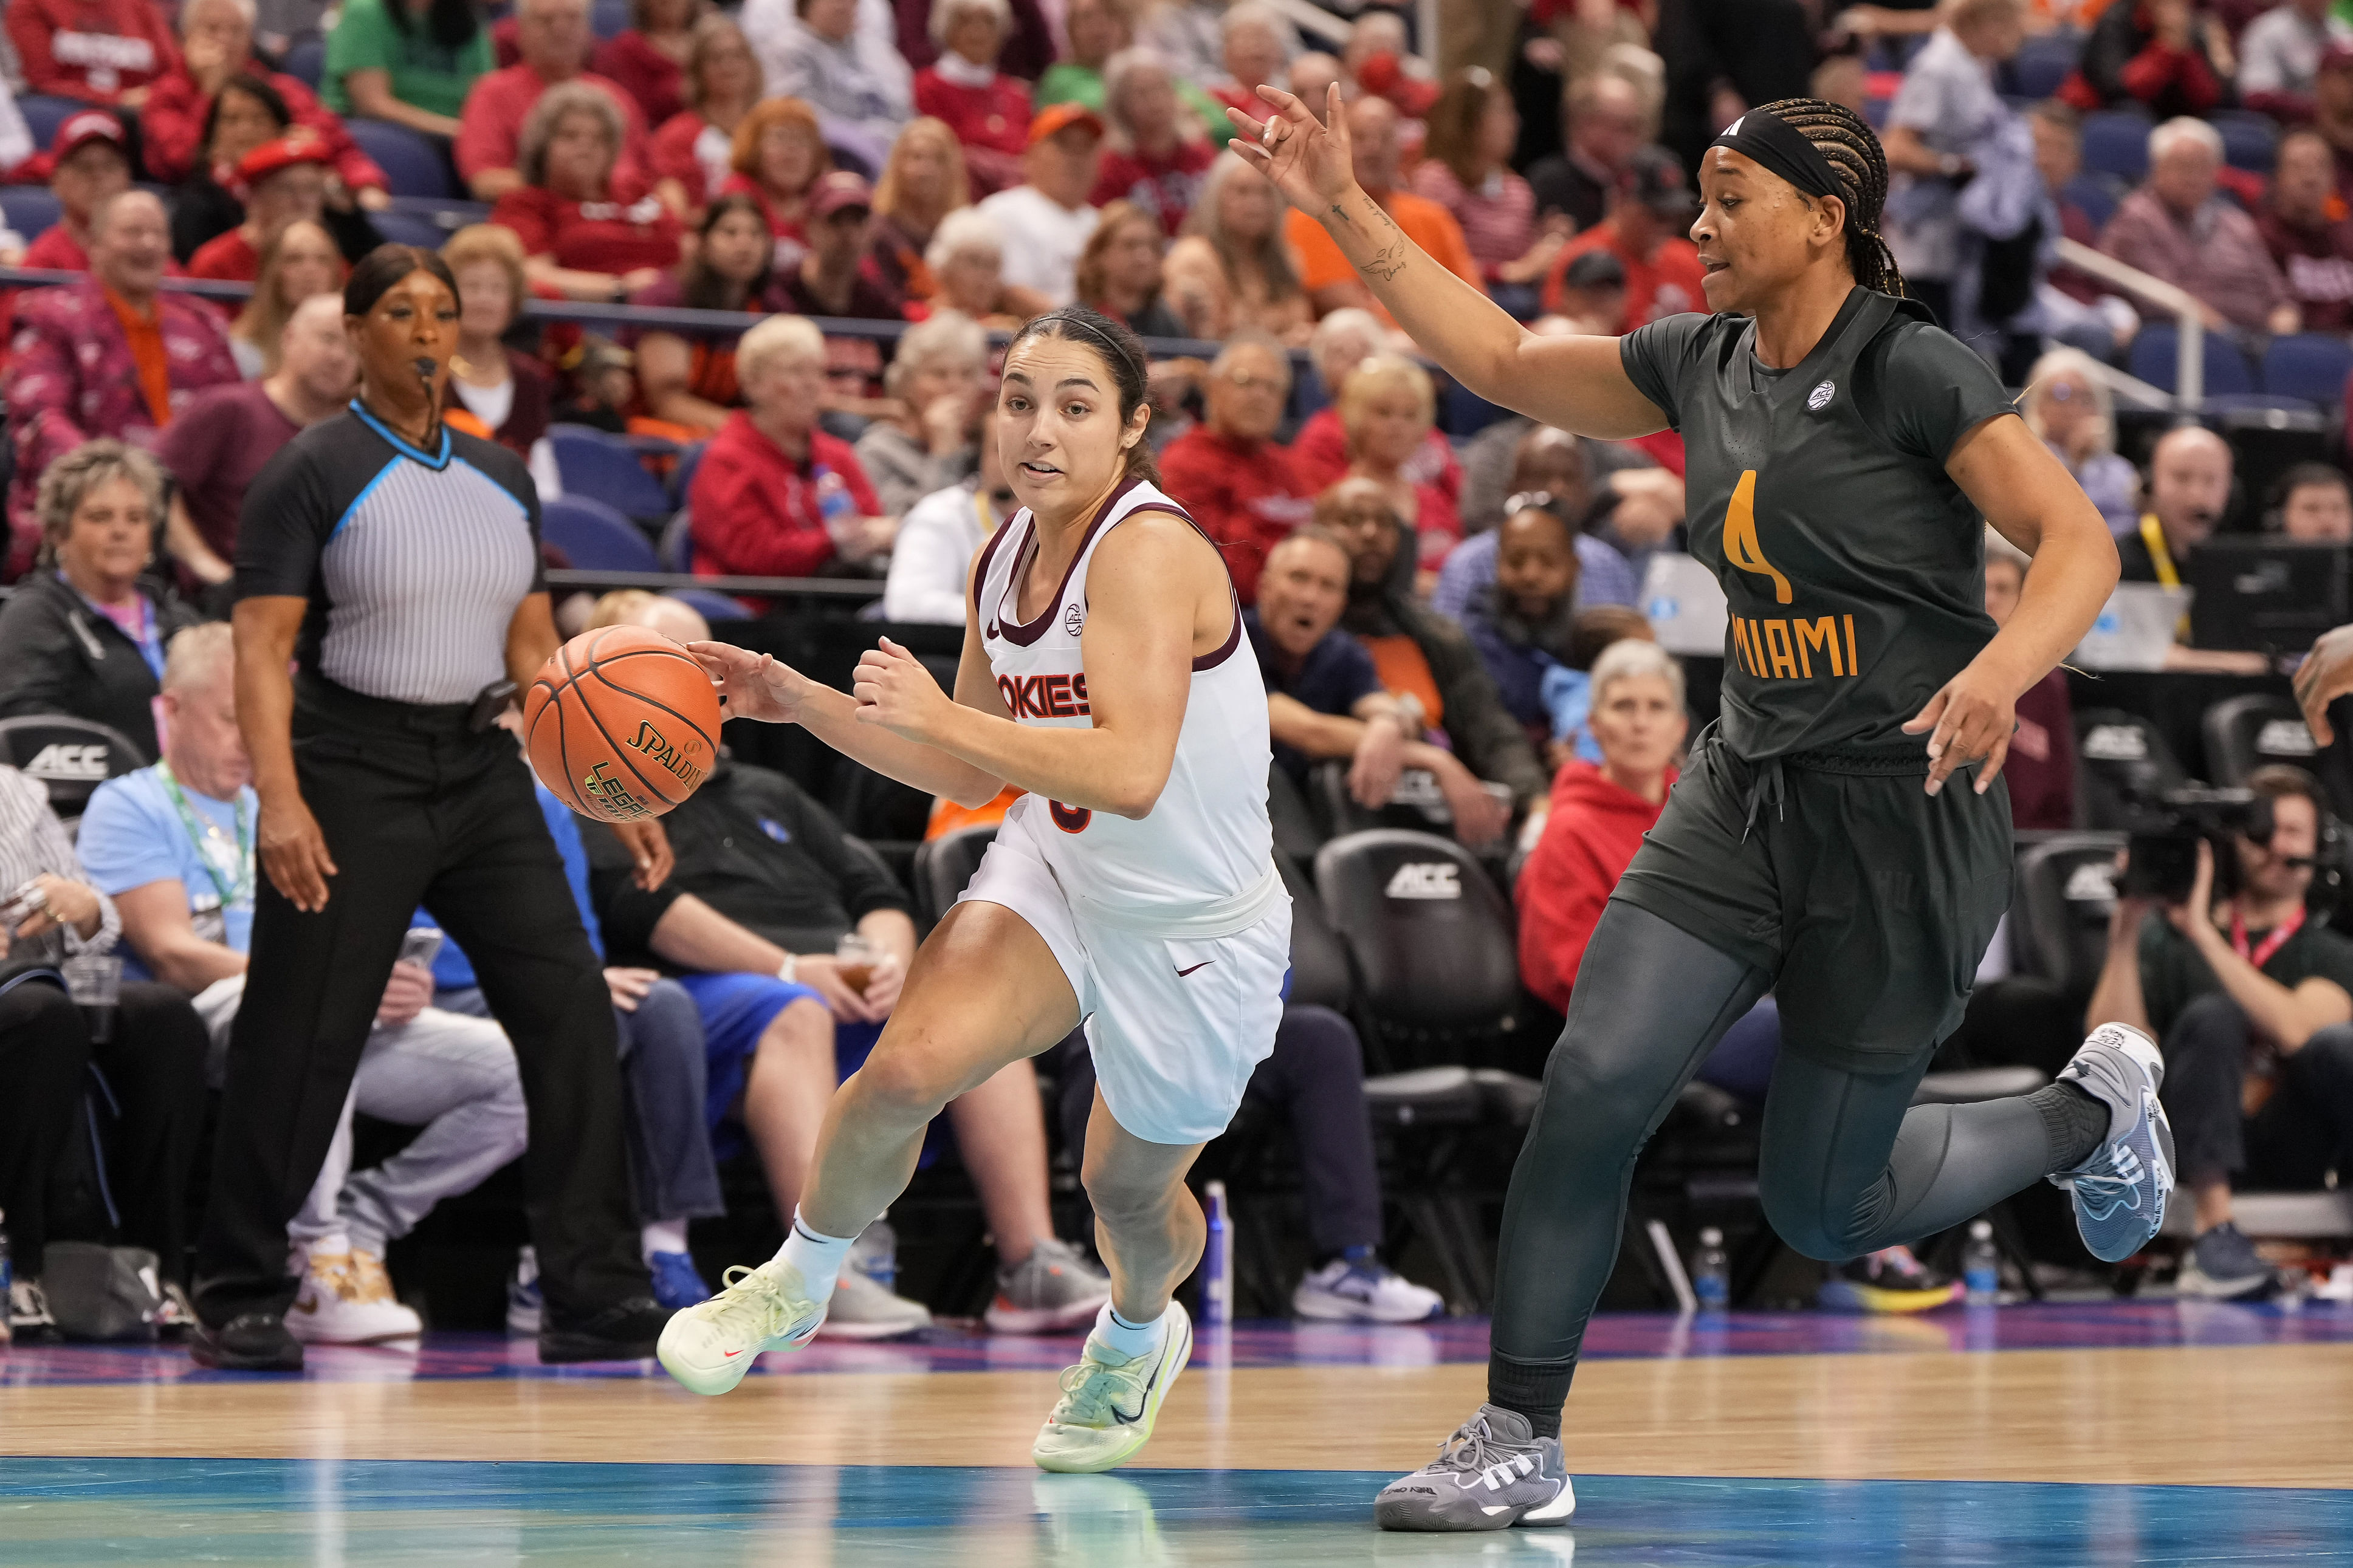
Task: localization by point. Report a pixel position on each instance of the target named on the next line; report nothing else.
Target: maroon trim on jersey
(1013, 631)
(1225, 651)
(980, 565)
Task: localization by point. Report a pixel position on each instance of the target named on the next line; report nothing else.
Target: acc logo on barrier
(2116, 743)
(62, 761)
(1440, 879)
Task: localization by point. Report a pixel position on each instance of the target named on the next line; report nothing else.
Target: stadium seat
(2120, 758)
(411, 165)
(68, 757)
(595, 464)
(1429, 940)
(594, 537)
(2042, 63)
(43, 115)
(944, 866)
(1319, 964)
(306, 62)
(29, 209)
(2117, 142)
(1464, 413)
(2098, 195)
(607, 18)
(1296, 832)
(682, 473)
(677, 546)
(2243, 733)
(2250, 140)
(2310, 366)
(1417, 806)
(711, 604)
(2155, 351)
(409, 228)
(2059, 911)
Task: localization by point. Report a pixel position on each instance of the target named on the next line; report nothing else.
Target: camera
(2165, 830)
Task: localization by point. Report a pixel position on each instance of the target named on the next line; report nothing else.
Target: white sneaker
(346, 1299)
(1342, 1291)
(709, 1346)
(863, 1308)
(1110, 1402)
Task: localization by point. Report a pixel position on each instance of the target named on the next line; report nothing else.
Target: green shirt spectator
(425, 73)
(1067, 81)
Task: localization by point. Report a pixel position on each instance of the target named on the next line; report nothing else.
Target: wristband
(788, 969)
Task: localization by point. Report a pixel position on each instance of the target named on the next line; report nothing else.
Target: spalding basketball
(622, 723)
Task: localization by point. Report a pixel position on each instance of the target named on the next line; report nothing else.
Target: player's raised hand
(893, 690)
(2326, 675)
(1969, 721)
(752, 685)
(1310, 162)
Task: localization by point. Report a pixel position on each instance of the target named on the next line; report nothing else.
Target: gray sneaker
(1052, 1289)
(1492, 1474)
(2223, 1265)
(2121, 1187)
(863, 1309)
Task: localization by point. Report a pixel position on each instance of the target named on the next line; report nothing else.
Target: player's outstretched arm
(1155, 589)
(1575, 383)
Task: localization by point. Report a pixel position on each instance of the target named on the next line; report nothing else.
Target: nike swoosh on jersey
(1203, 965)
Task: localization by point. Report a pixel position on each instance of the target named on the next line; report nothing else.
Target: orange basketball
(622, 723)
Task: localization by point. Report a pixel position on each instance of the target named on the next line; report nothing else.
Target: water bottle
(1981, 1264)
(1218, 1258)
(835, 505)
(875, 1254)
(8, 1278)
(1712, 1272)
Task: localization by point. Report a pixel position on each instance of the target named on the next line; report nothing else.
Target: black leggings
(1848, 1164)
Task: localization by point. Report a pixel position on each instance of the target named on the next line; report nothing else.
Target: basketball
(622, 723)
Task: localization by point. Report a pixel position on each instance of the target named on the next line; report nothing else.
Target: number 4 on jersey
(1740, 546)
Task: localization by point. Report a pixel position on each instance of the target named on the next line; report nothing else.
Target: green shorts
(1868, 900)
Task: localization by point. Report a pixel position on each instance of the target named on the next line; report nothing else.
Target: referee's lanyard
(2273, 939)
(2152, 535)
(227, 862)
(141, 630)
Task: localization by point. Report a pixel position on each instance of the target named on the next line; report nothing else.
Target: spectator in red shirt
(586, 228)
(280, 183)
(648, 56)
(988, 110)
(779, 152)
(554, 37)
(761, 493)
(2041, 764)
(1228, 472)
(216, 43)
(87, 166)
(1600, 813)
(2313, 248)
(1389, 407)
(1649, 214)
(99, 51)
(688, 378)
(1343, 341)
(691, 153)
(1026, 52)
(1160, 156)
(2158, 53)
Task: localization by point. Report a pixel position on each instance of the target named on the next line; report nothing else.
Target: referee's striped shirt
(412, 562)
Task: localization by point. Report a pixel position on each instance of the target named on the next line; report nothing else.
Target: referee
(395, 563)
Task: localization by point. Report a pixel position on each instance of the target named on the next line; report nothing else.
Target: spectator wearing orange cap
(989, 111)
(1047, 219)
(215, 43)
(588, 228)
(86, 163)
(99, 51)
(279, 181)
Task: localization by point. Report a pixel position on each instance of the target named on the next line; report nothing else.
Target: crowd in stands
(1446, 601)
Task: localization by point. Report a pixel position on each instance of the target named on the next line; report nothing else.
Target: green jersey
(424, 74)
(1854, 566)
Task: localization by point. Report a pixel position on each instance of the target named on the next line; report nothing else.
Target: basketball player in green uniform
(1840, 836)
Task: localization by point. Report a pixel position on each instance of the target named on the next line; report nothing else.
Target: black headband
(1118, 351)
(1782, 148)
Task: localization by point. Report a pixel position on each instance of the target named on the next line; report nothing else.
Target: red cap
(302, 147)
(1384, 76)
(1056, 118)
(839, 191)
(75, 132)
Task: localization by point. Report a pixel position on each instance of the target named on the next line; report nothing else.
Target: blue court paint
(59, 1511)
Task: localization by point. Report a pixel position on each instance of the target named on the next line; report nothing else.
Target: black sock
(2075, 1121)
(1536, 1389)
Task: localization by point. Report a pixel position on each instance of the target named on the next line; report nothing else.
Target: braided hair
(1845, 139)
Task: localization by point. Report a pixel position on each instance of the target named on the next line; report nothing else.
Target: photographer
(2251, 1000)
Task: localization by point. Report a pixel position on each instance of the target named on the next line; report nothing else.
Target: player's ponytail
(1121, 353)
(1846, 142)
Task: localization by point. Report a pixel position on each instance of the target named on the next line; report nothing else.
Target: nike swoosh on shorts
(1203, 965)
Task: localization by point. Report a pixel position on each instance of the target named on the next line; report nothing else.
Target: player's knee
(1122, 1199)
(904, 1086)
(1810, 1229)
(2328, 1054)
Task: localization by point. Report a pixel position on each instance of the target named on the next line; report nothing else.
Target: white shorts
(1175, 1026)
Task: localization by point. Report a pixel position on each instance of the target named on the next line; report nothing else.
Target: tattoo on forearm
(1387, 262)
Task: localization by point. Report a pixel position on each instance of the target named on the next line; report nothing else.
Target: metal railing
(2187, 310)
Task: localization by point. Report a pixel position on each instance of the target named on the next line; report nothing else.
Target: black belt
(315, 693)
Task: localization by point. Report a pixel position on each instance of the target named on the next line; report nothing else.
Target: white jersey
(1202, 862)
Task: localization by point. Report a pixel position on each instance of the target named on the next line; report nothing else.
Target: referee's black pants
(417, 809)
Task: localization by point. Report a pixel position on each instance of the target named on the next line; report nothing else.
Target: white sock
(662, 1236)
(1128, 1338)
(816, 1256)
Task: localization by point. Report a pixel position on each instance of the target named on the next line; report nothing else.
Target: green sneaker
(1110, 1402)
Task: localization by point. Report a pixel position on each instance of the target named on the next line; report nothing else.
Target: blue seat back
(2250, 140)
(29, 209)
(2041, 64)
(412, 164)
(595, 464)
(306, 62)
(594, 537)
(2156, 357)
(43, 115)
(2115, 143)
(682, 474)
(2098, 195)
(2310, 366)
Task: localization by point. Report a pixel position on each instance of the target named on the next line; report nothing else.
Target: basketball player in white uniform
(1132, 889)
